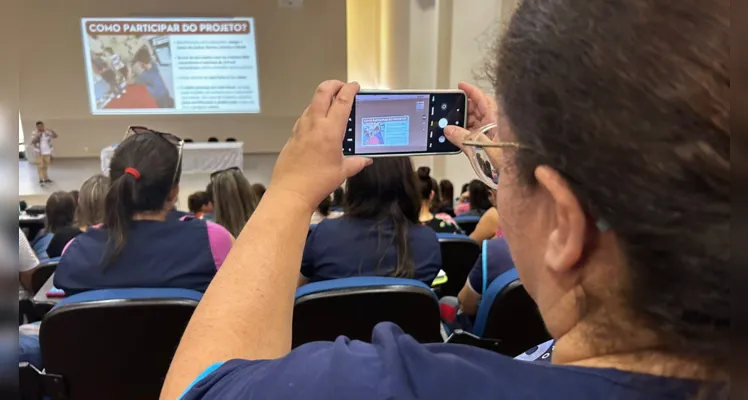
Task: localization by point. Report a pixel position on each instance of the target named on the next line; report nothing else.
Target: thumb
(354, 165)
(456, 135)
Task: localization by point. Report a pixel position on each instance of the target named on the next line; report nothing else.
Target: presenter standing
(41, 141)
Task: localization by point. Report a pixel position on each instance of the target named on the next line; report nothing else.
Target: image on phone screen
(400, 123)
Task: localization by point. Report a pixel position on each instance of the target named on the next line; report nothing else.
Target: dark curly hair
(629, 101)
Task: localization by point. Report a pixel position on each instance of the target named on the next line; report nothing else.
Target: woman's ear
(567, 235)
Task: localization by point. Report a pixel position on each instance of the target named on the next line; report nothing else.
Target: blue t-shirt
(345, 247)
(172, 253)
(498, 261)
(395, 366)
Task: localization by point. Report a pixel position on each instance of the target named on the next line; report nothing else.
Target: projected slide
(171, 65)
(391, 123)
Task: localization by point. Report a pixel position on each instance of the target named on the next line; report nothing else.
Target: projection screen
(138, 66)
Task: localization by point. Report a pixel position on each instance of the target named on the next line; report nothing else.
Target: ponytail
(119, 207)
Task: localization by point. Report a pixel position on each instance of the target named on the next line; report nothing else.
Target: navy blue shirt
(345, 247)
(395, 366)
(498, 260)
(162, 254)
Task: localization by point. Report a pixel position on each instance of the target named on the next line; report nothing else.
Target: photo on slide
(131, 71)
(385, 131)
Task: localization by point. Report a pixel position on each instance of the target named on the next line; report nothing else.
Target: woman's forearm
(248, 308)
(251, 295)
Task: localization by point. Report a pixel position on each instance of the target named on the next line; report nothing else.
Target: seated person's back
(138, 244)
(380, 233)
(179, 254)
(90, 212)
(345, 247)
(60, 213)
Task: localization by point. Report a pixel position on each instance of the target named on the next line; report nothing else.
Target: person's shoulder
(215, 229)
(394, 365)
(333, 225)
(498, 250)
(422, 232)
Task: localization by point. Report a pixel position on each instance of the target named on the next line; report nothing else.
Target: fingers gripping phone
(403, 122)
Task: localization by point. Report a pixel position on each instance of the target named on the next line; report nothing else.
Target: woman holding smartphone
(630, 275)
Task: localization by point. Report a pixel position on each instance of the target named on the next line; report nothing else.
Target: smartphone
(403, 122)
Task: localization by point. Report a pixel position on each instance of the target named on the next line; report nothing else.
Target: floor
(69, 174)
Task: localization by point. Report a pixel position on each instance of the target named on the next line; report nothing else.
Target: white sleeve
(26, 256)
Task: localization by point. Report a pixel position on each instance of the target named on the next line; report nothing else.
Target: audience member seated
(498, 260)
(613, 142)
(338, 199)
(234, 201)
(60, 214)
(463, 201)
(90, 212)
(200, 205)
(447, 197)
(379, 233)
(138, 246)
(28, 261)
(259, 190)
(488, 226)
(440, 223)
(479, 200)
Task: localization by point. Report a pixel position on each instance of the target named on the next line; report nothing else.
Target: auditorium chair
(508, 317)
(30, 384)
(467, 223)
(112, 344)
(353, 306)
(212, 139)
(459, 254)
(189, 140)
(231, 139)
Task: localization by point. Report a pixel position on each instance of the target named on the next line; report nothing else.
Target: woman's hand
(482, 110)
(311, 164)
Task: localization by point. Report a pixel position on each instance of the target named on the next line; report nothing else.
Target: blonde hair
(91, 198)
(234, 201)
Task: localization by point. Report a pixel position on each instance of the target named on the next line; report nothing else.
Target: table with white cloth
(203, 157)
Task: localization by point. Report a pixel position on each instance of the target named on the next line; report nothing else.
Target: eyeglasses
(486, 155)
(487, 158)
(174, 139)
(213, 174)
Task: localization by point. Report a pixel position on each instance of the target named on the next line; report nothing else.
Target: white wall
(424, 44)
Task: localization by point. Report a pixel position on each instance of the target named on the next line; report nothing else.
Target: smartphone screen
(403, 123)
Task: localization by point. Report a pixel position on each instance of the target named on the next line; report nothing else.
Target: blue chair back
(459, 254)
(353, 306)
(114, 343)
(508, 314)
(467, 223)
